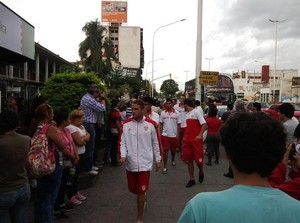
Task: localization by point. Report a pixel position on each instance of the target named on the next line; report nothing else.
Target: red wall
(265, 73)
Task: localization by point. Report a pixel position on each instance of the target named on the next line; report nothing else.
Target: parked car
(264, 105)
(273, 111)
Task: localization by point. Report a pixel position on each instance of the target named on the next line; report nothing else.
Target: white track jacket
(138, 143)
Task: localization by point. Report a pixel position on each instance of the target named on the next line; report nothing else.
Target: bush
(65, 90)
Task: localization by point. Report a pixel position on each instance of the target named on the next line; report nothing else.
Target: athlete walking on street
(137, 146)
(192, 148)
(170, 120)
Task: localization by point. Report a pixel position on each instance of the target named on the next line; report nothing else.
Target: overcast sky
(235, 32)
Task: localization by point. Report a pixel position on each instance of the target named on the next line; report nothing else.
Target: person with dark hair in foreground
(14, 188)
(255, 144)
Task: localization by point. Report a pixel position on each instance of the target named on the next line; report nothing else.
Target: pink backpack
(41, 157)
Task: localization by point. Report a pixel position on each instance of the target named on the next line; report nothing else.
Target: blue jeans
(46, 193)
(14, 205)
(89, 147)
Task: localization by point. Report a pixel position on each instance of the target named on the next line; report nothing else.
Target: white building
(261, 86)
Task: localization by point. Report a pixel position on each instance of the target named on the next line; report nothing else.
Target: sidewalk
(109, 200)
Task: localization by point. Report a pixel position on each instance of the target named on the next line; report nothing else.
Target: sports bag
(41, 156)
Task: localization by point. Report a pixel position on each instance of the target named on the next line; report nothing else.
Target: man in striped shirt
(91, 108)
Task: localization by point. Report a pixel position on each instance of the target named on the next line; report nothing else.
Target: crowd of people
(261, 153)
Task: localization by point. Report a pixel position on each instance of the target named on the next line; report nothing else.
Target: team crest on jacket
(145, 128)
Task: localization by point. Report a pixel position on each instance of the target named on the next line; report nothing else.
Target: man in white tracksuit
(138, 143)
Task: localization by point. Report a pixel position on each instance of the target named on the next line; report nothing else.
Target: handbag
(41, 156)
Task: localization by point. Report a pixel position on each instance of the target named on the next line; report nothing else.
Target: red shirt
(194, 122)
(115, 116)
(213, 125)
(291, 187)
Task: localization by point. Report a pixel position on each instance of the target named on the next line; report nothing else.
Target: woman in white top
(80, 137)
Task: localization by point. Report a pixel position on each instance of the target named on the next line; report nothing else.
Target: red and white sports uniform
(192, 148)
(170, 121)
(138, 143)
(154, 116)
(182, 114)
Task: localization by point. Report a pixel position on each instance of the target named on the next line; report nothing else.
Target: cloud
(246, 34)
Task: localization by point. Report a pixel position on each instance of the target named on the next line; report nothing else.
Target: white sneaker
(95, 168)
(92, 172)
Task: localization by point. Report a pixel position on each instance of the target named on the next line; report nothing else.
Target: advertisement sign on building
(114, 11)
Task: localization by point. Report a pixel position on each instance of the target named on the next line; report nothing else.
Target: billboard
(16, 34)
(114, 11)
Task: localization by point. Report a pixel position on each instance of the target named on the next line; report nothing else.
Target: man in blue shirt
(91, 108)
(254, 143)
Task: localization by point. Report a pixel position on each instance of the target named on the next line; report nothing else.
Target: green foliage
(65, 90)
(90, 50)
(134, 83)
(113, 93)
(169, 88)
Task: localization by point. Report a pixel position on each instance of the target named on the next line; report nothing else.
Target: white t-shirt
(170, 122)
(290, 126)
(82, 133)
(154, 116)
(182, 114)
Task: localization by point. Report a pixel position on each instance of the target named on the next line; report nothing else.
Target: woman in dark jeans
(48, 185)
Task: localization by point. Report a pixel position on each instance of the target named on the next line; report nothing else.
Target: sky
(235, 33)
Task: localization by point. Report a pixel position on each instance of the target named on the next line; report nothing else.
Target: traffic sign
(208, 77)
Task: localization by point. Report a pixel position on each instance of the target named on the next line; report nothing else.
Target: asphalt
(109, 201)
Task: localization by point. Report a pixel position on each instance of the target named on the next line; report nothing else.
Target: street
(109, 200)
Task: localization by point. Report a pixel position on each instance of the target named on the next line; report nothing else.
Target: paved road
(109, 200)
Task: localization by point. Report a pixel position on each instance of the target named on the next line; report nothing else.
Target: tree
(65, 90)
(169, 88)
(96, 51)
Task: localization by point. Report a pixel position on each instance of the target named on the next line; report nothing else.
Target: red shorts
(138, 182)
(192, 151)
(169, 143)
(181, 134)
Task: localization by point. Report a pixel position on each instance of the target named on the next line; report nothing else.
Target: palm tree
(96, 51)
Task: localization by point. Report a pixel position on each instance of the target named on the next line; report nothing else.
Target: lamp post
(181, 20)
(275, 59)
(152, 61)
(209, 59)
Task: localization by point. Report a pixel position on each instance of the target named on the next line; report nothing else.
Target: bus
(222, 93)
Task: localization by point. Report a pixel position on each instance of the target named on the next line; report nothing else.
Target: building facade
(24, 65)
(263, 87)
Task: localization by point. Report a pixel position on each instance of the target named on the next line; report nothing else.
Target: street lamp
(209, 59)
(275, 59)
(181, 20)
(152, 61)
